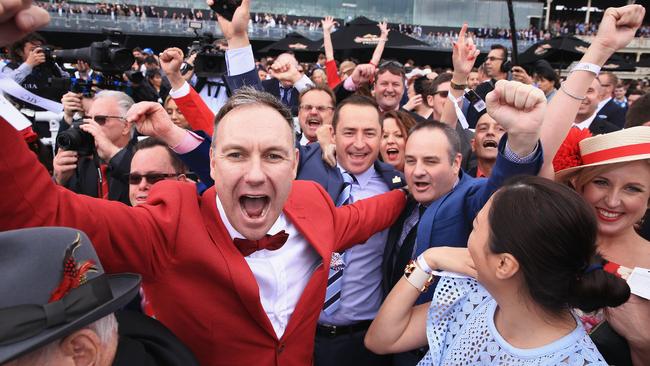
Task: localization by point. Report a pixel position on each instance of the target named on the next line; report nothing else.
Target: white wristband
(586, 66)
(422, 263)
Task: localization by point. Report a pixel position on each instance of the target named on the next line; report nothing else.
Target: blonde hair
(579, 179)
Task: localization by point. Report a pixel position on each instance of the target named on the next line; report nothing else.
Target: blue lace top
(461, 331)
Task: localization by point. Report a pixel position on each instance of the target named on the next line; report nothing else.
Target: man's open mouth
(490, 144)
(314, 123)
(254, 206)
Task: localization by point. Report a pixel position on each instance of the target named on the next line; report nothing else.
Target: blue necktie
(337, 264)
(286, 96)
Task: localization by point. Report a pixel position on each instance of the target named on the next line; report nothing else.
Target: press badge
(475, 100)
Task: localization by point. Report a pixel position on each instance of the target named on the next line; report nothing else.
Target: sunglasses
(101, 119)
(151, 178)
(390, 63)
(442, 93)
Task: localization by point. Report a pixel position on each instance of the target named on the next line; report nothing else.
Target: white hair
(105, 328)
(124, 101)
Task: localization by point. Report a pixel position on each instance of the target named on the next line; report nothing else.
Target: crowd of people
(341, 212)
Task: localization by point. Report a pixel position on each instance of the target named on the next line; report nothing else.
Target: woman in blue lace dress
(530, 253)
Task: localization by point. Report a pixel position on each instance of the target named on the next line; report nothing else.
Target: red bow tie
(268, 242)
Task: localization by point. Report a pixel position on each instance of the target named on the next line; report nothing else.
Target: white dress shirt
(586, 123)
(281, 274)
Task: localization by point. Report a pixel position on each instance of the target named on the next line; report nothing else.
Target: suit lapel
(306, 225)
(242, 277)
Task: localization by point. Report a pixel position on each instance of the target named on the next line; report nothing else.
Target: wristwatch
(458, 86)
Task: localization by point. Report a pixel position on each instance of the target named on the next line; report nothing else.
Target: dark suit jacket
(613, 113)
(601, 126)
(272, 86)
(390, 269)
(447, 221)
(312, 167)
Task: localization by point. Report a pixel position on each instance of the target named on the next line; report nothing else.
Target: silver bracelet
(571, 95)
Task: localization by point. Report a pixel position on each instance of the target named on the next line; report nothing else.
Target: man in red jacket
(239, 274)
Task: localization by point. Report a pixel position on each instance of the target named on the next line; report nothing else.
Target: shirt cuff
(190, 142)
(180, 92)
(240, 60)
(349, 85)
(303, 83)
(513, 157)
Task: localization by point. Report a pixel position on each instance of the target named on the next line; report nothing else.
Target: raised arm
(379, 49)
(463, 57)
(328, 23)
(616, 30)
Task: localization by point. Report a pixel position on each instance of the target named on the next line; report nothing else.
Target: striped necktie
(337, 264)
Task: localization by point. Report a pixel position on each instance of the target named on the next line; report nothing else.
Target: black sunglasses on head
(388, 63)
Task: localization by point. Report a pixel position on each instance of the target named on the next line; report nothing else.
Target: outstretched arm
(383, 38)
(616, 30)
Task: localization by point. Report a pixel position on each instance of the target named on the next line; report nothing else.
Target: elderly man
(112, 135)
(64, 318)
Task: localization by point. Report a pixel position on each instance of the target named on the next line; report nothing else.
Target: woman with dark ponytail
(533, 254)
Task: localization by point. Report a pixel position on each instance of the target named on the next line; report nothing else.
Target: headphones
(506, 65)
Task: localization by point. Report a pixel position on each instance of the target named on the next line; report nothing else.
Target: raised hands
(328, 24)
(519, 108)
(18, 18)
(363, 73)
(236, 31)
(285, 71)
(151, 119)
(383, 27)
(170, 61)
(618, 27)
(463, 56)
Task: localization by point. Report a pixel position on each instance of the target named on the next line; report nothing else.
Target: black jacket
(613, 113)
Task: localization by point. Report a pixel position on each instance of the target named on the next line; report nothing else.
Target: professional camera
(107, 56)
(210, 60)
(76, 139)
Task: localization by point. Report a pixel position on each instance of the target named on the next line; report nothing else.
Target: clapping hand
(519, 109)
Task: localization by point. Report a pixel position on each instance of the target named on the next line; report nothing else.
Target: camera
(210, 60)
(107, 56)
(76, 139)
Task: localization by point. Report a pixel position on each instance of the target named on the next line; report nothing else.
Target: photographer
(103, 175)
(31, 68)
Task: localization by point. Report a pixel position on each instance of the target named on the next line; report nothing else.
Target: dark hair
(16, 49)
(151, 142)
(392, 67)
(638, 113)
(150, 60)
(357, 100)
(611, 76)
(405, 122)
(450, 133)
(247, 95)
(445, 77)
(502, 48)
(152, 73)
(548, 74)
(551, 231)
(321, 87)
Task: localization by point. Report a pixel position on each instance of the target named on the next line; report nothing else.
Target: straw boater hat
(630, 144)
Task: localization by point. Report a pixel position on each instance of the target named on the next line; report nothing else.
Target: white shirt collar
(279, 224)
(364, 178)
(586, 123)
(304, 140)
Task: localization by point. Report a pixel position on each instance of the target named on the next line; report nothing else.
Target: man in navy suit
(608, 108)
(287, 89)
(587, 117)
(445, 200)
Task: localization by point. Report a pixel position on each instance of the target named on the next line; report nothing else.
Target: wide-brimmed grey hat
(53, 284)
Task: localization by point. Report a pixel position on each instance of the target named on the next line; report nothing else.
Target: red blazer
(197, 113)
(198, 282)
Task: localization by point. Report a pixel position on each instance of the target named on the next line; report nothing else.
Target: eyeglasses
(442, 93)
(101, 119)
(492, 58)
(319, 108)
(390, 63)
(151, 178)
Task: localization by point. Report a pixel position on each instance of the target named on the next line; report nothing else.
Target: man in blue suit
(445, 200)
